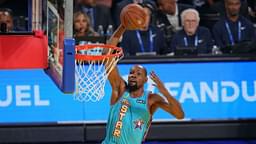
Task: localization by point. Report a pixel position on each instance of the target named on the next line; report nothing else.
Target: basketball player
(132, 107)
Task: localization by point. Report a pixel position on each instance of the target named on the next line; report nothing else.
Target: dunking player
(131, 106)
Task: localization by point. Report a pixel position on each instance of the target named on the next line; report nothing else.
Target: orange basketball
(133, 16)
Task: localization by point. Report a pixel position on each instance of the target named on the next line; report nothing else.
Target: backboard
(60, 50)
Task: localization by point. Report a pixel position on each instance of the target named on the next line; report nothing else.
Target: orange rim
(85, 57)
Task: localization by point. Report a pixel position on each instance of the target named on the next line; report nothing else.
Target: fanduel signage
(23, 95)
(205, 90)
(223, 91)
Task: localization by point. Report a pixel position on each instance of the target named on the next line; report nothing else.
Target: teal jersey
(128, 121)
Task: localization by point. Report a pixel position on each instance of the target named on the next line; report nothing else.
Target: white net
(91, 75)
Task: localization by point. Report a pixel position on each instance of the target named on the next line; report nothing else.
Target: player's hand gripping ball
(133, 16)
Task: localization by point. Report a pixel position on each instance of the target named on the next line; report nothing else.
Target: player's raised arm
(133, 17)
(114, 77)
(171, 105)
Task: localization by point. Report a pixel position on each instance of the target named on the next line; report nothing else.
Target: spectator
(82, 25)
(98, 14)
(168, 17)
(192, 35)
(6, 20)
(149, 40)
(233, 28)
(208, 14)
(169, 13)
(219, 6)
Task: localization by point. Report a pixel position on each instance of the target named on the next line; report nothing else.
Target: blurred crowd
(176, 26)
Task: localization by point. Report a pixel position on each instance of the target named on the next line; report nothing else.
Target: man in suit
(192, 35)
(219, 6)
(233, 28)
(168, 17)
(169, 13)
(148, 40)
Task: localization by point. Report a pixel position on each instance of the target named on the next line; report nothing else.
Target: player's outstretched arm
(171, 105)
(116, 81)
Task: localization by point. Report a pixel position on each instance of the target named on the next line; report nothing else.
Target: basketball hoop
(94, 62)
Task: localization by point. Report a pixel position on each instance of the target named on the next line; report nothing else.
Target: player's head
(190, 21)
(232, 7)
(137, 78)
